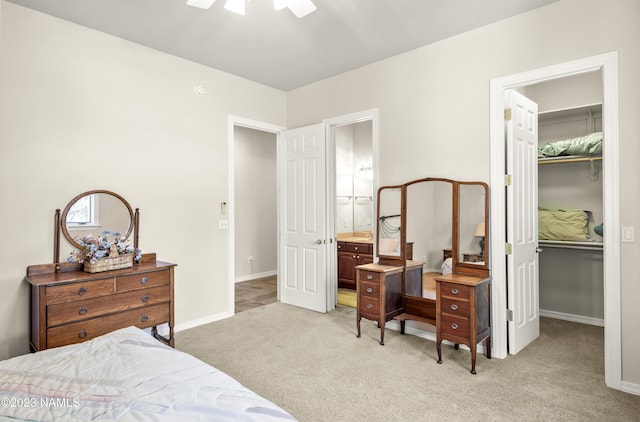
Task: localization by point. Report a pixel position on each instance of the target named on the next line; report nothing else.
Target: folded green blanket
(584, 145)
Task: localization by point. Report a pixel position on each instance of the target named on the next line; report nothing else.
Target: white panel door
(522, 220)
(303, 245)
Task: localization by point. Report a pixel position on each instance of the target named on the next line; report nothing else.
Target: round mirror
(93, 212)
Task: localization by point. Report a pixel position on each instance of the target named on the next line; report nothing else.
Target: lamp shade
(480, 230)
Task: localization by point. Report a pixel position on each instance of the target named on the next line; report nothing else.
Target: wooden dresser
(380, 291)
(72, 306)
(463, 312)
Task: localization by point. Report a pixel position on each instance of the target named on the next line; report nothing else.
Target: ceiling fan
(300, 8)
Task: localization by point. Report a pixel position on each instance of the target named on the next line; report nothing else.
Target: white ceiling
(275, 48)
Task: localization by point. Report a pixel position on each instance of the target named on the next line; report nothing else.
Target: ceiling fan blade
(202, 4)
(301, 8)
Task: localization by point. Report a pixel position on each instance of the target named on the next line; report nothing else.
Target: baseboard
(631, 388)
(201, 321)
(256, 276)
(573, 318)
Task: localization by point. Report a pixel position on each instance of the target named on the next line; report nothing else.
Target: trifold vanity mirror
(433, 219)
(432, 244)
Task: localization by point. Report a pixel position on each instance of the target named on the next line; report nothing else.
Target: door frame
(232, 122)
(608, 64)
(331, 123)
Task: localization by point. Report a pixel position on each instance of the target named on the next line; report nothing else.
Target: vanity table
(70, 305)
(439, 217)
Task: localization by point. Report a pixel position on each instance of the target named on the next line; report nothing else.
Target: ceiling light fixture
(202, 4)
(300, 8)
(236, 6)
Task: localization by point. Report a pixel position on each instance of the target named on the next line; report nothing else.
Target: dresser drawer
(142, 280)
(455, 307)
(370, 276)
(363, 248)
(89, 308)
(455, 326)
(369, 306)
(370, 289)
(85, 330)
(455, 290)
(74, 291)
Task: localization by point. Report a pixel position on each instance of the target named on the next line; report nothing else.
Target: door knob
(318, 242)
(538, 250)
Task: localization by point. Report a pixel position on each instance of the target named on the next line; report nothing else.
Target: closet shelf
(569, 159)
(590, 246)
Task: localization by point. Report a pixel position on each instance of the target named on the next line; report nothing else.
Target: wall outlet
(628, 234)
(250, 260)
(223, 224)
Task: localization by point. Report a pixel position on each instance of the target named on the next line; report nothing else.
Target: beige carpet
(312, 365)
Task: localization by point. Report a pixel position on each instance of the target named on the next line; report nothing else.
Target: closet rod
(569, 160)
(595, 247)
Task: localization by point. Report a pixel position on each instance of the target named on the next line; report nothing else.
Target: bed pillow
(569, 224)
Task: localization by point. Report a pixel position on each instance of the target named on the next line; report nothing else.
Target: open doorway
(607, 65)
(354, 204)
(252, 212)
(353, 154)
(255, 216)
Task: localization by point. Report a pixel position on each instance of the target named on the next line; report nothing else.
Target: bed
(125, 375)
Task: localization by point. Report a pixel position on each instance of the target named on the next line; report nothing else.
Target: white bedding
(126, 375)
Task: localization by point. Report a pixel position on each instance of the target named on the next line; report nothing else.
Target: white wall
(255, 182)
(82, 110)
(434, 107)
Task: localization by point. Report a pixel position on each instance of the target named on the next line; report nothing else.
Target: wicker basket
(109, 263)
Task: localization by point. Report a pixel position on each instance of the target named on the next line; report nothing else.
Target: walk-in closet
(570, 192)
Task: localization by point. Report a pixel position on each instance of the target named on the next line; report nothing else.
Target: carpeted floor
(313, 366)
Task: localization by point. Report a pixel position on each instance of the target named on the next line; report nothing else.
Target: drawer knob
(82, 334)
(369, 306)
(83, 310)
(454, 307)
(144, 318)
(144, 280)
(355, 249)
(369, 276)
(145, 298)
(369, 290)
(82, 291)
(454, 326)
(454, 291)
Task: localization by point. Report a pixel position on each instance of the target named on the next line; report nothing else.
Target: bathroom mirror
(90, 214)
(354, 178)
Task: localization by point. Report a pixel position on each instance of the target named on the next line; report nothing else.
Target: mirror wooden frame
(457, 265)
(60, 222)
